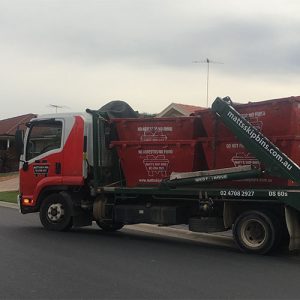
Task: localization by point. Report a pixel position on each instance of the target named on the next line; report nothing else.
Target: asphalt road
(88, 263)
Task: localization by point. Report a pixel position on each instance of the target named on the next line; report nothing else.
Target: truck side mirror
(19, 142)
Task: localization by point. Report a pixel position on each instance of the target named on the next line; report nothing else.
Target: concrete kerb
(216, 238)
(8, 204)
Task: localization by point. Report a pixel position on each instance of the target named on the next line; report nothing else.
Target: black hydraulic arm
(97, 141)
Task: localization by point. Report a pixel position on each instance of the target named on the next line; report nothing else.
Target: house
(179, 110)
(8, 127)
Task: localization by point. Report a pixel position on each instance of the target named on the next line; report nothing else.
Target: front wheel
(55, 213)
(256, 232)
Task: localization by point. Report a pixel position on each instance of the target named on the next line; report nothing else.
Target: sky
(84, 53)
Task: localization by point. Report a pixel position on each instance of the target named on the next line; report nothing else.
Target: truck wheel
(108, 226)
(256, 232)
(55, 213)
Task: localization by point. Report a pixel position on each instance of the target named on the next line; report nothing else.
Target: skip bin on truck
(229, 167)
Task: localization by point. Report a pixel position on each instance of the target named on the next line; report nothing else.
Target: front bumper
(25, 209)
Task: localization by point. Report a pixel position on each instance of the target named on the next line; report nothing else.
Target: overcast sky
(84, 53)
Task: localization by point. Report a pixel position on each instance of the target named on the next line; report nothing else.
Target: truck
(231, 167)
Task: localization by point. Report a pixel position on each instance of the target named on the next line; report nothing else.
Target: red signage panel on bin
(158, 129)
(147, 164)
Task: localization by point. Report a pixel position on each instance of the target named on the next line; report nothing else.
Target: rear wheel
(109, 226)
(55, 213)
(256, 232)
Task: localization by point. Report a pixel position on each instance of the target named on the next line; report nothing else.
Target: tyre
(55, 213)
(109, 226)
(256, 232)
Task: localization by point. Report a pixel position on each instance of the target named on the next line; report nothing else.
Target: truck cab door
(42, 158)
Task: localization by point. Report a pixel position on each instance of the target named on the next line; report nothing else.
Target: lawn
(9, 197)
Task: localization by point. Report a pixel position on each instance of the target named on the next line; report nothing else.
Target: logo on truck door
(41, 170)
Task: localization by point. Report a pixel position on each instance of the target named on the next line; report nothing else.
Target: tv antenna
(208, 62)
(57, 107)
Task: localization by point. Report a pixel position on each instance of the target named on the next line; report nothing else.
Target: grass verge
(9, 196)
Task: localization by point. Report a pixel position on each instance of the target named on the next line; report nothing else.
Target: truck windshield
(43, 137)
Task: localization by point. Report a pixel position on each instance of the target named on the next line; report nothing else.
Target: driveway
(10, 184)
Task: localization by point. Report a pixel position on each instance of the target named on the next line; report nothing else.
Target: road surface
(89, 263)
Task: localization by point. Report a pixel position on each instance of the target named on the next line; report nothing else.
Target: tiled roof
(178, 109)
(188, 108)
(9, 126)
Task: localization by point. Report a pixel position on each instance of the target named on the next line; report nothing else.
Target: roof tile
(9, 126)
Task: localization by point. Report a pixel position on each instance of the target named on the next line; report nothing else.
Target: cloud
(150, 33)
(143, 50)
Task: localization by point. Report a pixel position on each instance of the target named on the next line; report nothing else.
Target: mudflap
(292, 218)
(206, 224)
(82, 218)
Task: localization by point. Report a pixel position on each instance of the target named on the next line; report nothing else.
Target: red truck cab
(53, 156)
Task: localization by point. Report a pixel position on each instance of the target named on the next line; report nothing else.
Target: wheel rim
(55, 212)
(254, 233)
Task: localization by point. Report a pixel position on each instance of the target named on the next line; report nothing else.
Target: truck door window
(42, 138)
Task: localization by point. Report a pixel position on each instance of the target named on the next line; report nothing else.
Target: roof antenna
(207, 61)
(57, 106)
